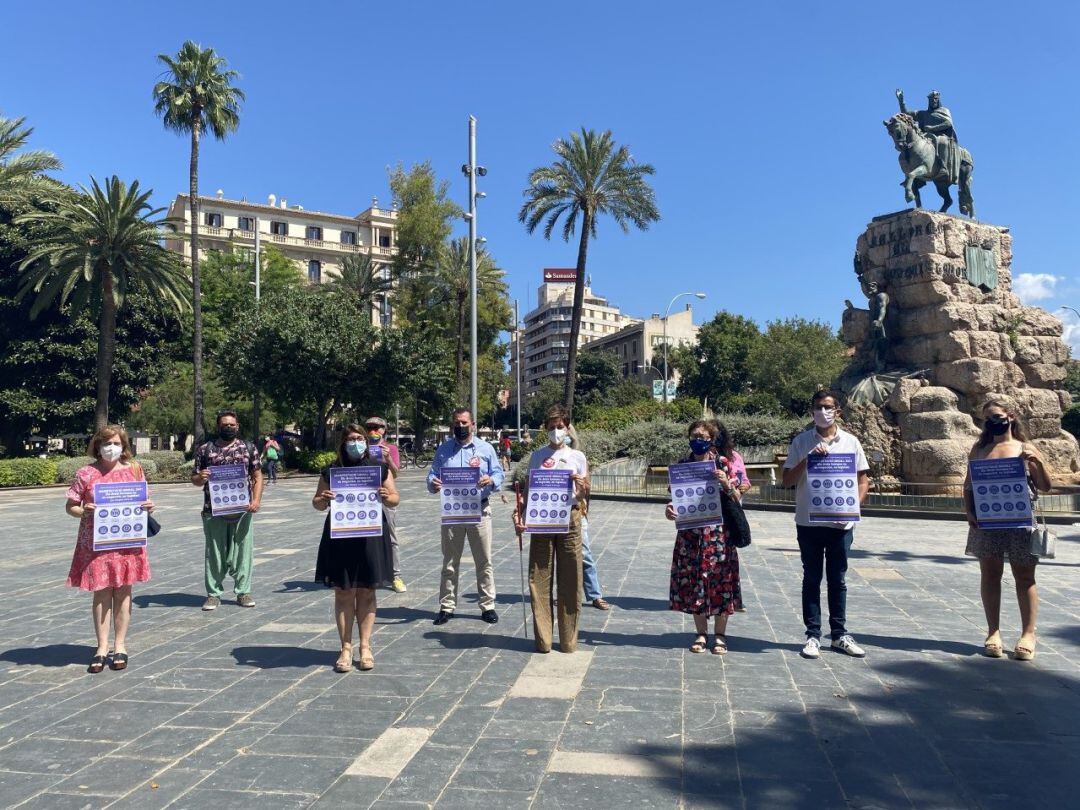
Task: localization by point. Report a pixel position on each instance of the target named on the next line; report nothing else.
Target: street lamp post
(472, 171)
(255, 409)
(517, 367)
(667, 312)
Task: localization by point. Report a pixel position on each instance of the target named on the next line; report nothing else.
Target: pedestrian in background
(355, 566)
(390, 455)
(271, 455)
(110, 574)
(590, 577)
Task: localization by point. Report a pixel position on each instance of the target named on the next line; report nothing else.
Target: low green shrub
(313, 461)
(27, 472)
(614, 418)
(166, 462)
(599, 446)
(660, 442)
(757, 429)
(149, 468)
(67, 466)
(186, 470)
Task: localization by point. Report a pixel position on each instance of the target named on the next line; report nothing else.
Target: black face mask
(462, 432)
(228, 432)
(997, 425)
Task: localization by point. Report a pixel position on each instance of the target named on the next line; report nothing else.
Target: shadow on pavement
(278, 657)
(937, 732)
(466, 641)
(401, 615)
(167, 600)
(51, 655)
(300, 585)
(638, 603)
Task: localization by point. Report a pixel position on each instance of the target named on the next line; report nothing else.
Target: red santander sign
(560, 275)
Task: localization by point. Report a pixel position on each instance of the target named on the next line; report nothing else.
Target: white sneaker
(846, 644)
(812, 648)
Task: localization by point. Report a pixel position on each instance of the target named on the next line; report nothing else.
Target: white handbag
(1043, 541)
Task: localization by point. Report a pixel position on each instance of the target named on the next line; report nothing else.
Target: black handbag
(735, 522)
(152, 526)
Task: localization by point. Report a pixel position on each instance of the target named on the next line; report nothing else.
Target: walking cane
(521, 564)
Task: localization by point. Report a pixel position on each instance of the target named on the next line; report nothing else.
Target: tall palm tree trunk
(196, 292)
(579, 300)
(106, 349)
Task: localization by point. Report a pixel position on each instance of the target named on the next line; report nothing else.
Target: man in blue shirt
(464, 449)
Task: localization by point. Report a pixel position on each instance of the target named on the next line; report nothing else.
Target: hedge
(1071, 420)
(67, 466)
(27, 472)
(166, 464)
(313, 461)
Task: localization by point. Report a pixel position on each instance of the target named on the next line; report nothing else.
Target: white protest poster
(834, 487)
(550, 502)
(1002, 497)
(229, 494)
(460, 493)
(357, 509)
(695, 495)
(119, 518)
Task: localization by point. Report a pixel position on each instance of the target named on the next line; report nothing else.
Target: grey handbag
(1043, 541)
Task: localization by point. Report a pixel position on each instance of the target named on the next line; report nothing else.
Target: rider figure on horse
(936, 121)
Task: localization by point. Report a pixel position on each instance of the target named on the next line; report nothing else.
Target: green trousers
(228, 552)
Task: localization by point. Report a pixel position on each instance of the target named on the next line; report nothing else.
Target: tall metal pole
(667, 312)
(472, 266)
(517, 366)
(255, 409)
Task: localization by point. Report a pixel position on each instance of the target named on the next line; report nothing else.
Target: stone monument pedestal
(955, 336)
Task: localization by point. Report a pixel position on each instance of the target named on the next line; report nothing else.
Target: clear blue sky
(763, 122)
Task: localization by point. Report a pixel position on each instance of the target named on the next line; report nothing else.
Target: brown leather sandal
(119, 662)
(97, 664)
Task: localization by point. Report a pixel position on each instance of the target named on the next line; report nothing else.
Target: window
(348, 237)
(314, 271)
(386, 314)
(384, 241)
(213, 220)
(313, 232)
(635, 367)
(279, 228)
(245, 223)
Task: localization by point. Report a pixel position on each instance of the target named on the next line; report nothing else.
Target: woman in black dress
(354, 566)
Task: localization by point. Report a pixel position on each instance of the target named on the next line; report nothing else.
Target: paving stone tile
(17, 787)
(53, 757)
(262, 772)
(110, 776)
(161, 789)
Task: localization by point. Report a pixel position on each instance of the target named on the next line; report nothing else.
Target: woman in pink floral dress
(704, 566)
(108, 574)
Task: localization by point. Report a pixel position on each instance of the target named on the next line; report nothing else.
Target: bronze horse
(921, 165)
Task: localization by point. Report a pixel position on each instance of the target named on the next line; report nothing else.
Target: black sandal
(719, 646)
(119, 661)
(701, 641)
(97, 664)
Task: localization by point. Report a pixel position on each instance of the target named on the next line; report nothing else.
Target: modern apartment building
(316, 241)
(545, 338)
(640, 346)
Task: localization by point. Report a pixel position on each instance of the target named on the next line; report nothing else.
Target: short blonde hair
(106, 433)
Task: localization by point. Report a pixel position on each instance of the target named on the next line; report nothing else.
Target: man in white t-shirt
(824, 542)
(561, 552)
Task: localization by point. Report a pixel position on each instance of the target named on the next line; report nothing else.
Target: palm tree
(196, 95)
(592, 176)
(362, 279)
(21, 173)
(100, 242)
(450, 287)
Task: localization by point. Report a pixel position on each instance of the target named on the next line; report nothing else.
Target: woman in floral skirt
(109, 575)
(704, 566)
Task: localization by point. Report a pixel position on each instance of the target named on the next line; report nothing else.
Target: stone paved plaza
(240, 708)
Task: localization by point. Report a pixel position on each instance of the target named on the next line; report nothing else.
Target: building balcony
(237, 236)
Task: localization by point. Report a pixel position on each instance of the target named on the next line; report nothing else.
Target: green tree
(592, 176)
(425, 213)
(196, 95)
(97, 246)
(716, 367)
(21, 174)
(318, 356)
(361, 279)
(534, 407)
(598, 374)
(227, 288)
(1072, 379)
(794, 358)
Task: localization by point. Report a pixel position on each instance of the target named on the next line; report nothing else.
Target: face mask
(568, 441)
(557, 436)
(111, 452)
(700, 446)
(998, 425)
(228, 432)
(355, 449)
(462, 432)
(824, 417)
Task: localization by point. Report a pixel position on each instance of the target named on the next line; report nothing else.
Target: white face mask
(824, 417)
(111, 452)
(557, 436)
